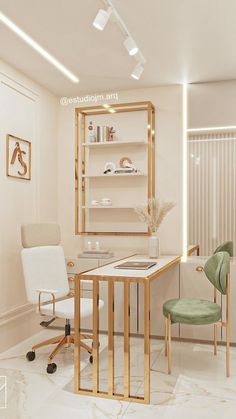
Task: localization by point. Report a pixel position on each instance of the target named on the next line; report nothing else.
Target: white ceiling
(182, 40)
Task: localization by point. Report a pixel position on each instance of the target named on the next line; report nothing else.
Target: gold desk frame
(96, 110)
(78, 332)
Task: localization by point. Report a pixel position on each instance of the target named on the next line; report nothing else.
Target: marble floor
(197, 387)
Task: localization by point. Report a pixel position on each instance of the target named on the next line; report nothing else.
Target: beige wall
(168, 104)
(30, 112)
(212, 104)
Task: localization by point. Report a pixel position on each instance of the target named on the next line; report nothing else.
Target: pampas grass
(154, 213)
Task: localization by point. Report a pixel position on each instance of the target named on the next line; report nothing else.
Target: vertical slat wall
(211, 190)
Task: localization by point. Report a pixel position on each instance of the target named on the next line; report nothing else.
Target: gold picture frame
(18, 157)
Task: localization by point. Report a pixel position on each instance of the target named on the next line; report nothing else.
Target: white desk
(110, 274)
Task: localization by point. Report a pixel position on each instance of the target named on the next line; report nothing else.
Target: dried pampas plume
(154, 213)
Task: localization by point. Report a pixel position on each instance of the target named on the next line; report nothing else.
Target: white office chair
(47, 285)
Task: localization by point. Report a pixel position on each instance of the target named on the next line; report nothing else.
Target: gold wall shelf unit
(84, 177)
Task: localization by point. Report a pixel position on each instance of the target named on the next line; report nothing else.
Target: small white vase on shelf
(153, 246)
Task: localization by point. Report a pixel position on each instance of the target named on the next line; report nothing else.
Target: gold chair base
(62, 341)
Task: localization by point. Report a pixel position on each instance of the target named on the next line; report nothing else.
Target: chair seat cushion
(65, 309)
(192, 311)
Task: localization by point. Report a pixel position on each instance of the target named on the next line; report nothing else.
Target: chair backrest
(226, 247)
(44, 267)
(40, 234)
(216, 269)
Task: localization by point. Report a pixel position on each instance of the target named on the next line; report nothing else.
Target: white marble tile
(197, 387)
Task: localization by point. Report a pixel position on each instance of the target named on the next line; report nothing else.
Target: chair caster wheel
(30, 355)
(91, 359)
(51, 368)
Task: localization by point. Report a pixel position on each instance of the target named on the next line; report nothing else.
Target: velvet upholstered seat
(192, 311)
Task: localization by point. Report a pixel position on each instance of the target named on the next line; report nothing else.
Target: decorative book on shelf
(114, 167)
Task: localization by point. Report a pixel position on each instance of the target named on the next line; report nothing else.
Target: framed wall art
(18, 157)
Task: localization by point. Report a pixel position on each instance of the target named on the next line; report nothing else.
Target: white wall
(168, 103)
(212, 104)
(29, 112)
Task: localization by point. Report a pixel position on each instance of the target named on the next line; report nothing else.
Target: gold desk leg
(95, 336)
(110, 337)
(147, 341)
(126, 339)
(77, 335)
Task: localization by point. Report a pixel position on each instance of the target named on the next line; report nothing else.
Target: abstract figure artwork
(18, 158)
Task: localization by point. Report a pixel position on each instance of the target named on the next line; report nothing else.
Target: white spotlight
(137, 71)
(102, 18)
(130, 46)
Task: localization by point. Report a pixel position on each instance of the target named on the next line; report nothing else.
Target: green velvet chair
(200, 311)
(226, 247)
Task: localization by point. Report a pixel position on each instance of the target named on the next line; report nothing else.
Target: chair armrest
(46, 291)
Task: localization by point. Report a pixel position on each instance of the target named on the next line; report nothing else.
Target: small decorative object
(89, 246)
(126, 162)
(97, 246)
(18, 158)
(152, 215)
(106, 202)
(110, 167)
(94, 202)
(111, 134)
(105, 133)
(91, 133)
(99, 133)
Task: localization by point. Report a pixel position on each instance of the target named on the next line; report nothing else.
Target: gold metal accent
(48, 302)
(126, 339)
(228, 325)
(169, 355)
(70, 264)
(111, 337)
(80, 114)
(199, 269)
(95, 337)
(194, 248)
(111, 288)
(18, 153)
(215, 326)
(147, 341)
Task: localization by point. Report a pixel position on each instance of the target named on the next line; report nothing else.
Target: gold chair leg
(47, 342)
(86, 347)
(60, 345)
(166, 334)
(215, 339)
(227, 350)
(169, 345)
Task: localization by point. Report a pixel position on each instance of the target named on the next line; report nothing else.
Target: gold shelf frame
(81, 113)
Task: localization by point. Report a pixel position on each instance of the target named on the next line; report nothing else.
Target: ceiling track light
(102, 18)
(130, 45)
(137, 71)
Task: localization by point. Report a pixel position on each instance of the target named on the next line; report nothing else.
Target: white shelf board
(112, 175)
(115, 143)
